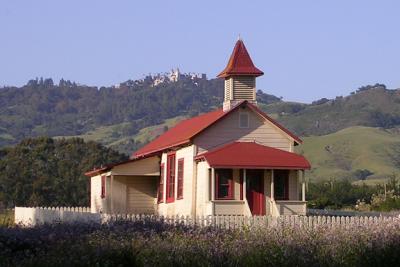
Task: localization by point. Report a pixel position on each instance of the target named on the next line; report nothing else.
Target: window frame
(180, 176)
(285, 184)
(240, 120)
(231, 185)
(103, 187)
(170, 177)
(160, 191)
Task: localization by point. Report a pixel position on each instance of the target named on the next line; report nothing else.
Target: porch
(247, 178)
(128, 188)
(259, 192)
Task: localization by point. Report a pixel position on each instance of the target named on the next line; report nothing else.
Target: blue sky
(307, 49)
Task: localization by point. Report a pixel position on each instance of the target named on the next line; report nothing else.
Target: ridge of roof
(240, 63)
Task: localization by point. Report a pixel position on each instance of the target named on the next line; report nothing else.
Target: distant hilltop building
(175, 75)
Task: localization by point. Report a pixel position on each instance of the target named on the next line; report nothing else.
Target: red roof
(240, 63)
(253, 155)
(184, 131)
(180, 134)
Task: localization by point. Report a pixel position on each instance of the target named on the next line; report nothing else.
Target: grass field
(339, 154)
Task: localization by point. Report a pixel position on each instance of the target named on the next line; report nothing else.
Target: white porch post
(212, 184)
(303, 186)
(111, 194)
(212, 191)
(272, 186)
(244, 184)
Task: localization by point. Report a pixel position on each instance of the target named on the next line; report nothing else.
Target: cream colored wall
(291, 207)
(140, 194)
(203, 203)
(227, 130)
(118, 196)
(229, 207)
(96, 203)
(125, 194)
(180, 206)
(267, 191)
(147, 166)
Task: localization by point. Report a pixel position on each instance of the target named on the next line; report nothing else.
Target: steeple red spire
(240, 63)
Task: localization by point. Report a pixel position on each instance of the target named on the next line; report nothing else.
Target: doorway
(255, 191)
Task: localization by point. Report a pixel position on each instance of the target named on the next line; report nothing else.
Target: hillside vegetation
(358, 152)
(48, 172)
(42, 108)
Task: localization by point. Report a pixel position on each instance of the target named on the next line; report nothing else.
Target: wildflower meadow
(148, 243)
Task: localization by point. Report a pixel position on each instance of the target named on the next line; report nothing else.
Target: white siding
(96, 203)
(227, 130)
(203, 203)
(148, 166)
(141, 194)
(267, 191)
(180, 206)
(229, 207)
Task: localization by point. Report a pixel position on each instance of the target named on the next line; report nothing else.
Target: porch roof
(254, 156)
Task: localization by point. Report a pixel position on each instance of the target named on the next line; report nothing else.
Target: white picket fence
(41, 215)
(236, 221)
(38, 215)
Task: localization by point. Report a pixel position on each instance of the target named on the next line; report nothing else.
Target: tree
(48, 172)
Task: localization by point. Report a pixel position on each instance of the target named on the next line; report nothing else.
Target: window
(180, 178)
(243, 120)
(103, 186)
(281, 184)
(161, 185)
(171, 177)
(224, 184)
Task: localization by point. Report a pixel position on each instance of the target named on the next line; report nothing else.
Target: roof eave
(235, 166)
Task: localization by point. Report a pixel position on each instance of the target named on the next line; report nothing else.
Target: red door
(255, 191)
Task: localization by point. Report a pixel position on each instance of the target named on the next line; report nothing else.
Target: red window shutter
(180, 178)
(161, 185)
(170, 178)
(103, 186)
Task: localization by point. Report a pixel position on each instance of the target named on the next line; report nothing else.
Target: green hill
(42, 108)
(348, 152)
(373, 106)
(117, 138)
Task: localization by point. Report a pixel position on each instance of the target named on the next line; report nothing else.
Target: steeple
(240, 77)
